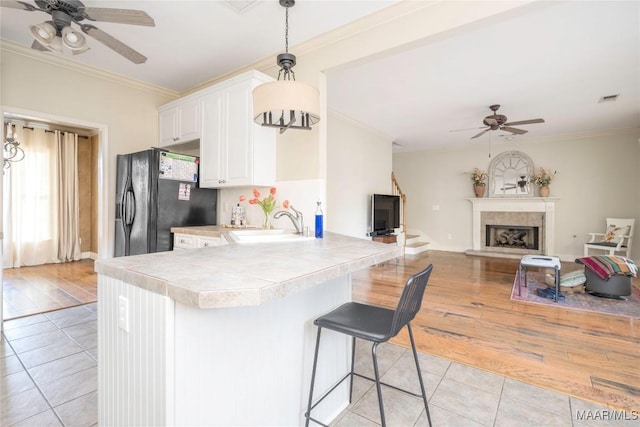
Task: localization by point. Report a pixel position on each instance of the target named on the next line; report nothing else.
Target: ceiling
(551, 60)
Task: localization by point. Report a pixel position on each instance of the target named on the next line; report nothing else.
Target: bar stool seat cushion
(360, 320)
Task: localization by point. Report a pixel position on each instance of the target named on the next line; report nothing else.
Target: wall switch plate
(449, 236)
(436, 207)
(123, 313)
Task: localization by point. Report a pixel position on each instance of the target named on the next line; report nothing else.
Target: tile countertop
(203, 230)
(236, 275)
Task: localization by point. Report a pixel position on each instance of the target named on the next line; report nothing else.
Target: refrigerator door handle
(129, 208)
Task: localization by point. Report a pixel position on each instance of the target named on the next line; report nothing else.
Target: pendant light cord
(286, 60)
(286, 30)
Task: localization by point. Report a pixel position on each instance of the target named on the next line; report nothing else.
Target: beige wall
(125, 111)
(597, 177)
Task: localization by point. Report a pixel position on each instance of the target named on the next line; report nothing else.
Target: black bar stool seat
(376, 325)
(363, 321)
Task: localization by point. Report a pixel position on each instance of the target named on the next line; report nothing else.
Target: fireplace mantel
(515, 204)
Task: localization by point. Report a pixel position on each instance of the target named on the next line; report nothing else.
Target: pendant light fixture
(12, 150)
(286, 103)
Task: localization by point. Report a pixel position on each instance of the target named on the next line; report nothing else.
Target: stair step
(416, 248)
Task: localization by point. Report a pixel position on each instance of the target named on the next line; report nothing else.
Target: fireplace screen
(515, 237)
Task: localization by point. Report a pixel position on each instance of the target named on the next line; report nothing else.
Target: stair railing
(396, 190)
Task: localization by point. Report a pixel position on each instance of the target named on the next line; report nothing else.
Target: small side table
(540, 261)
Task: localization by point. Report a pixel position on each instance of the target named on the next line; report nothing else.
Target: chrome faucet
(296, 220)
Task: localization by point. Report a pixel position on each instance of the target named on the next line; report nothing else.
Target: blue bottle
(319, 228)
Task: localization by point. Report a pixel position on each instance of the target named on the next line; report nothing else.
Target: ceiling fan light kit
(74, 40)
(52, 35)
(286, 104)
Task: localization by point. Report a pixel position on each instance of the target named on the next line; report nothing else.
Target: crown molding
(66, 63)
(269, 66)
(358, 124)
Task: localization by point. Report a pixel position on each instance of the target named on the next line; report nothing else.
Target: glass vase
(266, 224)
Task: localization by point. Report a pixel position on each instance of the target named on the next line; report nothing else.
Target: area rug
(629, 306)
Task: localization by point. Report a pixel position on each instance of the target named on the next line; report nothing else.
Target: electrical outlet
(449, 236)
(123, 313)
(436, 207)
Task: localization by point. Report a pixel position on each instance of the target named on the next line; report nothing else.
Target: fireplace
(512, 236)
(512, 226)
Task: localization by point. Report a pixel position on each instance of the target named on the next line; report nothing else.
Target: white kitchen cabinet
(191, 241)
(180, 122)
(204, 242)
(235, 151)
(184, 241)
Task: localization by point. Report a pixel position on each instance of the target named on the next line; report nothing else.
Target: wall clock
(510, 174)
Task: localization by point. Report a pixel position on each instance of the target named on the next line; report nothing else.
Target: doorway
(102, 176)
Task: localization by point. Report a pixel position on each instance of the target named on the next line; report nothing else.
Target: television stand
(386, 238)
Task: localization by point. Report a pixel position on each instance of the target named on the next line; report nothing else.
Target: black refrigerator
(157, 190)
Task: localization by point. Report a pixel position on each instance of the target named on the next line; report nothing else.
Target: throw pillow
(569, 280)
(614, 233)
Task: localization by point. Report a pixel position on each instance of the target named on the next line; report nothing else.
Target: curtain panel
(40, 200)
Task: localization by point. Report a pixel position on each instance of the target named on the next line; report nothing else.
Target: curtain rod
(50, 131)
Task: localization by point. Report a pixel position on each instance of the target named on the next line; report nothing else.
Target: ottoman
(616, 286)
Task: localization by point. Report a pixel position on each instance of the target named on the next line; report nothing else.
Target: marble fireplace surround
(526, 211)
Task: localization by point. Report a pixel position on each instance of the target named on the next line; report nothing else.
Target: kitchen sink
(265, 236)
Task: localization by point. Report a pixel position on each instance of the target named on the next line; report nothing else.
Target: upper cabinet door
(168, 121)
(234, 151)
(212, 149)
(180, 122)
(189, 121)
(239, 143)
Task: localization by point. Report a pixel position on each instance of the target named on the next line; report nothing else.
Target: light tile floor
(48, 369)
(48, 377)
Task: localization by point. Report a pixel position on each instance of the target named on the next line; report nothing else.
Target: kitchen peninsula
(224, 335)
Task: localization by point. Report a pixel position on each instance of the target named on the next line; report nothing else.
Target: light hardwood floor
(467, 316)
(38, 289)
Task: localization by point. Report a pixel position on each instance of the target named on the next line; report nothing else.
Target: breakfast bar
(224, 335)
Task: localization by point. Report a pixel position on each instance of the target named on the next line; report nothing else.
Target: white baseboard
(92, 255)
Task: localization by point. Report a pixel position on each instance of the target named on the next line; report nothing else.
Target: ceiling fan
(499, 121)
(53, 34)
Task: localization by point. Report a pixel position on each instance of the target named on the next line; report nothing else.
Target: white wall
(359, 164)
(597, 177)
(303, 194)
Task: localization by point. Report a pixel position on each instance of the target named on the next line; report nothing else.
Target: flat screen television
(385, 214)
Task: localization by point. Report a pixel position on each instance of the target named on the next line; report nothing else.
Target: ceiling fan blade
(113, 43)
(514, 130)
(119, 16)
(458, 130)
(480, 134)
(525, 122)
(37, 46)
(13, 4)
